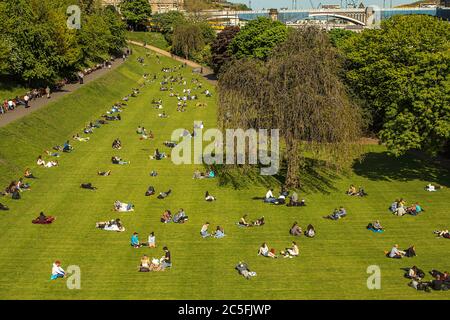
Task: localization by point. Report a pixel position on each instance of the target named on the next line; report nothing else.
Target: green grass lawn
(152, 38)
(331, 266)
(10, 89)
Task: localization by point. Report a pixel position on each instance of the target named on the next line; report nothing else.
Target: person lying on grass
(170, 144)
(22, 186)
(291, 252)
(158, 155)
(78, 138)
(88, 186)
(3, 207)
(353, 192)
(117, 144)
(244, 271)
(180, 216)
(395, 253)
(67, 147)
(219, 233)
(444, 276)
(243, 221)
(269, 198)
(43, 219)
(337, 214)
(163, 115)
(414, 273)
(27, 174)
(118, 160)
(52, 154)
(431, 188)
(166, 217)
(265, 252)
(375, 226)
(295, 230)
(123, 207)
(163, 195)
(152, 240)
(104, 173)
(258, 222)
(209, 197)
(112, 225)
(442, 234)
(57, 271)
(41, 162)
(204, 230)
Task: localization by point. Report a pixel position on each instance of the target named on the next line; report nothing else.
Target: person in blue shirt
(135, 240)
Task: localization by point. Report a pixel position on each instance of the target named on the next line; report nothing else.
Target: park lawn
(155, 39)
(331, 266)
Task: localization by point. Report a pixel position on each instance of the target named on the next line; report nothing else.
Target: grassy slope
(152, 38)
(331, 266)
(10, 89)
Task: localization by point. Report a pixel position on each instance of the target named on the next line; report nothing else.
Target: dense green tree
(258, 38)
(136, 12)
(188, 40)
(300, 95)
(402, 71)
(166, 23)
(337, 36)
(220, 54)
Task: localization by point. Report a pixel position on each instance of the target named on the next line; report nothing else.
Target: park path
(207, 73)
(38, 103)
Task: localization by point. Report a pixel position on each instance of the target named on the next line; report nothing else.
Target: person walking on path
(81, 77)
(47, 92)
(26, 98)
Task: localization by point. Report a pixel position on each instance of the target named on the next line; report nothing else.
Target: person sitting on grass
(442, 234)
(415, 209)
(152, 240)
(158, 155)
(204, 230)
(375, 226)
(197, 175)
(117, 144)
(310, 232)
(104, 173)
(123, 207)
(27, 174)
(67, 147)
(118, 160)
(150, 191)
(269, 198)
(57, 271)
(209, 197)
(395, 253)
(135, 241)
(22, 186)
(112, 225)
(145, 264)
(166, 216)
(219, 233)
(244, 271)
(153, 173)
(88, 186)
(294, 202)
(40, 161)
(337, 214)
(351, 190)
(291, 252)
(398, 207)
(43, 219)
(163, 195)
(180, 216)
(361, 192)
(3, 207)
(265, 252)
(295, 230)
(139, 130)
(166, 260)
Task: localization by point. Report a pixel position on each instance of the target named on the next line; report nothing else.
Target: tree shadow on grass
(378, 166)
(315, 177)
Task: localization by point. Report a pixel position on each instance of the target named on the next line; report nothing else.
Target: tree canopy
(402, 71)
(220, 54)
(136, 12)
(258, 38)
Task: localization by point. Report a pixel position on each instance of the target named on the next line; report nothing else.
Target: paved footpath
(38, 103)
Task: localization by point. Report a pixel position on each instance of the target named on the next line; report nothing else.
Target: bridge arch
(355, 21)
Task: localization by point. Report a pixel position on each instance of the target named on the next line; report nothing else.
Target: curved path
(38, 103)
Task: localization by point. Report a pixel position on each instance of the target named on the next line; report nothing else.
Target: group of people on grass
(441, 280)
(400, 208)
(291, 252)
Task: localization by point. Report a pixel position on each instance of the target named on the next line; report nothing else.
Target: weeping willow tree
(299, 92)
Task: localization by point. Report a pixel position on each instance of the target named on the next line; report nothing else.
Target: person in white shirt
(269, 197)
(292, 251)
(395, 253)
(57, 271)
(265, 252)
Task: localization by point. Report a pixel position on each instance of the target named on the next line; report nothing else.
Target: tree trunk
(292, 156)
